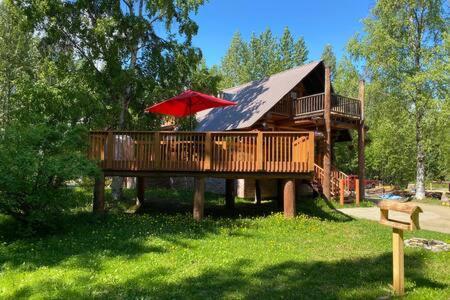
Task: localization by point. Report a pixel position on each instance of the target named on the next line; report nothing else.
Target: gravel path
(434, 217)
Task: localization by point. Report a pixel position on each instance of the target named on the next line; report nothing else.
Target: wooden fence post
(357, 192)
(341, 191)
(398, 265)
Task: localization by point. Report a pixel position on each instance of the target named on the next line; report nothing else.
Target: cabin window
(293, 95)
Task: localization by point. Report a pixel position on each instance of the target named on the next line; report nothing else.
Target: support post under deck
(98, 205)
(361, 143)
(257, 192)
(326, 185)
(199, 198)
(280, 193)
(229, 193)
(140, 189)
(289, 198)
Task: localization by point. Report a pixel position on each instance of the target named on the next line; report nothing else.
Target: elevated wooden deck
(209, 154)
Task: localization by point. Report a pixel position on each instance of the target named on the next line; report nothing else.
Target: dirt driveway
(434, 217)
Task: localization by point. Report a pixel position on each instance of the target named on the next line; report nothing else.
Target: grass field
(250, 253)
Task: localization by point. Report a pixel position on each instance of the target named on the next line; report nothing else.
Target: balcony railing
(314, 104)
(345, 106)
(242, 152)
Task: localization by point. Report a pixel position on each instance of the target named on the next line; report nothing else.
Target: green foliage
(17, 60)
(321, 254)
(133, 53)
(36, 162)
(329, 58)
(262, 56)
(291, 54)
(94, 64)
(232, 66)
(346, 78)
(404, 52)
(301, 52)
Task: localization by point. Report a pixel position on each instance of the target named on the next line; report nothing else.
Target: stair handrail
(336, 176)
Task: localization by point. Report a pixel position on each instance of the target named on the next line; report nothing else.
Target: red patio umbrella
(187, 103)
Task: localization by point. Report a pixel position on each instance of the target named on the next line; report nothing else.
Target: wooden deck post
(361, 143)
(98, 205)
(398, 265)
(311, 151)
(259, 151)
(140, 189)
(280, 193)
(199, 198)
(341, 191)
(257, 192)
(208, 147)
(357, 192)
(289, 198)
(157, 150)
(109, 150)
(229, 193)
(326, 186)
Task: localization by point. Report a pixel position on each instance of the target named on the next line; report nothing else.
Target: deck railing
(336, 177)
(314, 104)
(284, 107)
(345, 106)
(309, 104)
(278, 152)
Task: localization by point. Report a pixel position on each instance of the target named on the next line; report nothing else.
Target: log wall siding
(240, 152)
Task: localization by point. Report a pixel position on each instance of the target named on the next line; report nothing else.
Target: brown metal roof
(254, 99)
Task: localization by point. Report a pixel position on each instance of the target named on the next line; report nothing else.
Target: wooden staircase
(336, 176)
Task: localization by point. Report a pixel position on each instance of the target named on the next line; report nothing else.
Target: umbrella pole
(190, 114)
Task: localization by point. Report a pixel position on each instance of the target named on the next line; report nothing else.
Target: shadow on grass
(167, 218)
(174, 202)
(363, 278)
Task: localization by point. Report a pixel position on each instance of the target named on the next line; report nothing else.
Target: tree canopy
(70, 66)
(262, 56)
(405, 53)
(329, 58)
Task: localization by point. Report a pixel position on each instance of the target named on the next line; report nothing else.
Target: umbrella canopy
(187, 103)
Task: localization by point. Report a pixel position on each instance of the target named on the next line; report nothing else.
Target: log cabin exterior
(282, 129)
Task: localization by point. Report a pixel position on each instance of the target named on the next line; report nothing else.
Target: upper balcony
(314, 106)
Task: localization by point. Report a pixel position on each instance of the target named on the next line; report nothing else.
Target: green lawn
(250, 253)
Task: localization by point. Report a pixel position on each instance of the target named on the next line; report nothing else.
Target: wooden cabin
(280, 133)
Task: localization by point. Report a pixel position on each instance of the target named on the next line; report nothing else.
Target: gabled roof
(254, 99)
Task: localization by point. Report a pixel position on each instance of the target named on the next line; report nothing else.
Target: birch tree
(404, 53)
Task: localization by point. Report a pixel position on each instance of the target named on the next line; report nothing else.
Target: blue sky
(320, 22)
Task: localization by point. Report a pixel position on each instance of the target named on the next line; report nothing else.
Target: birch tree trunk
(117, 182)
(420, 160)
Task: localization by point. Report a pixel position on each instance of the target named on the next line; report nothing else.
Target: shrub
(36, 162)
